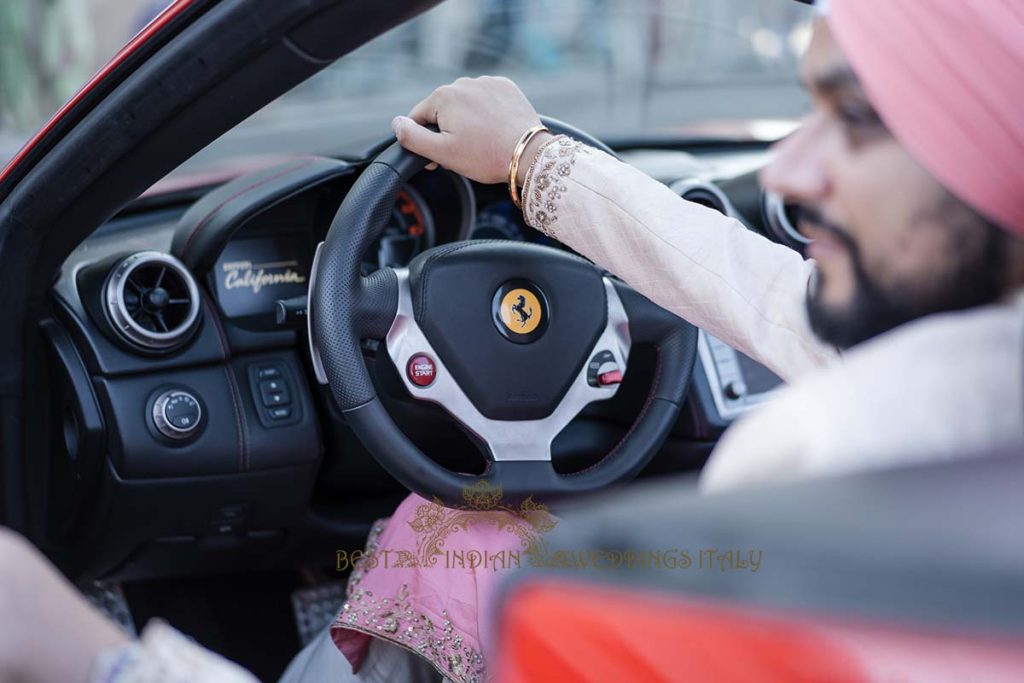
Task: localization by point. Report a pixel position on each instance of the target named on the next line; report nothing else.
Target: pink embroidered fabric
(428, 574)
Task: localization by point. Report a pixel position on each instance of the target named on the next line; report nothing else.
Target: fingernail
(396, 123)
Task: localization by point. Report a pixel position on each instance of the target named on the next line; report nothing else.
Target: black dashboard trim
(209, 224)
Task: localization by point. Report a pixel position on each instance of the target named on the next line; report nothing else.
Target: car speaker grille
(152, 301)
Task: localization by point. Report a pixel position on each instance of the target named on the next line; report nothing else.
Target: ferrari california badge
(520, 311)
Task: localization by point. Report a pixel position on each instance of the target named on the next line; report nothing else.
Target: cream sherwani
(946, 386)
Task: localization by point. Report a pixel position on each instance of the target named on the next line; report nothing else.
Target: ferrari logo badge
(520, 311)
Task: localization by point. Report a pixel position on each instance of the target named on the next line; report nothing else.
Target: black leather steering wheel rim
(346, 307)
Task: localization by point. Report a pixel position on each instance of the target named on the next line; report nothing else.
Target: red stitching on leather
(241, 423)
(236, 397)
(216, 322)
(206, 219)
(238, 421)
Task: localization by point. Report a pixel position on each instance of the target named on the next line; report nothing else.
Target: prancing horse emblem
(522, 310)
(519, 312)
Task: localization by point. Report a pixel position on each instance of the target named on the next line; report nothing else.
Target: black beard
(975, 276)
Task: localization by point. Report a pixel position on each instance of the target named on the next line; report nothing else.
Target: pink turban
(947, 77)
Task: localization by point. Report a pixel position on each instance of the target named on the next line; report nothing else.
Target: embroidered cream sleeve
(705, 267)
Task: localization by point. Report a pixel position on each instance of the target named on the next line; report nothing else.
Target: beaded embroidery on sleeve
(396, 619)
(545, 183)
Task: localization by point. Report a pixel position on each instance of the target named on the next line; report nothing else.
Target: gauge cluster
(409, 231)
(252, 273)
(268, 256)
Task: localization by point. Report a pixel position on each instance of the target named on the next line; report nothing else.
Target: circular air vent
(781, 221)
(152, 301)
(703, 193)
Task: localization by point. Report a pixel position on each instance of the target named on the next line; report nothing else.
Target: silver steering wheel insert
(506, 439)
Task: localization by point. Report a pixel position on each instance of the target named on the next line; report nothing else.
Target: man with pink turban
(902, 338)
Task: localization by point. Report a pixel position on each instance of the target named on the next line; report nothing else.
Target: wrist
(530, 155)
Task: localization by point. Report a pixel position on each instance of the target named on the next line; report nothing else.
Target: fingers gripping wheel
(567, 334)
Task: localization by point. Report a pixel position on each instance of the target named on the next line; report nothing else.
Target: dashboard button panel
(272, 388)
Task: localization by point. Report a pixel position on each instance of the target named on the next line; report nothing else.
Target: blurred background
(618, 68)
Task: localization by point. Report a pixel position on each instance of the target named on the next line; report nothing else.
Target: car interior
(170, 438)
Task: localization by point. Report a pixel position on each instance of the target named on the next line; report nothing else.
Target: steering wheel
(512, 339)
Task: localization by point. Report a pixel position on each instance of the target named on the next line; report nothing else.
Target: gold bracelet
(529, 175)
(513, 166)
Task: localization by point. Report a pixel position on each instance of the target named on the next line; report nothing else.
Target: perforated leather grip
(348, 307)
(674, 338)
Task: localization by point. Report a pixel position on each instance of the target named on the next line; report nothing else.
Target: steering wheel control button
(520, 311)
(177, 414)
(421, 370)
(603, 371)
(272, 386)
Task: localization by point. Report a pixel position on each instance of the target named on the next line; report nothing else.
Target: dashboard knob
(736, 390)
(177, 414)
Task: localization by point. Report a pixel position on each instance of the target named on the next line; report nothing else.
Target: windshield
(620, 69)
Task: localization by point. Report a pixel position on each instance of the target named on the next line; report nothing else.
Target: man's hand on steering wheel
(478, 121)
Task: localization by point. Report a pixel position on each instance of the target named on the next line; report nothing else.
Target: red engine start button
(421, 370)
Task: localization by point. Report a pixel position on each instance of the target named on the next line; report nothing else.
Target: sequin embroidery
(546, 183)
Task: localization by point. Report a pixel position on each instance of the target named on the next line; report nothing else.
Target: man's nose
(797, 170)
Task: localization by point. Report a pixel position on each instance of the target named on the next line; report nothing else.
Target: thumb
(418, 139)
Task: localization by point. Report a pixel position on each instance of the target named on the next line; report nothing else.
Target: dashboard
(268, 258)
(191, 427)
